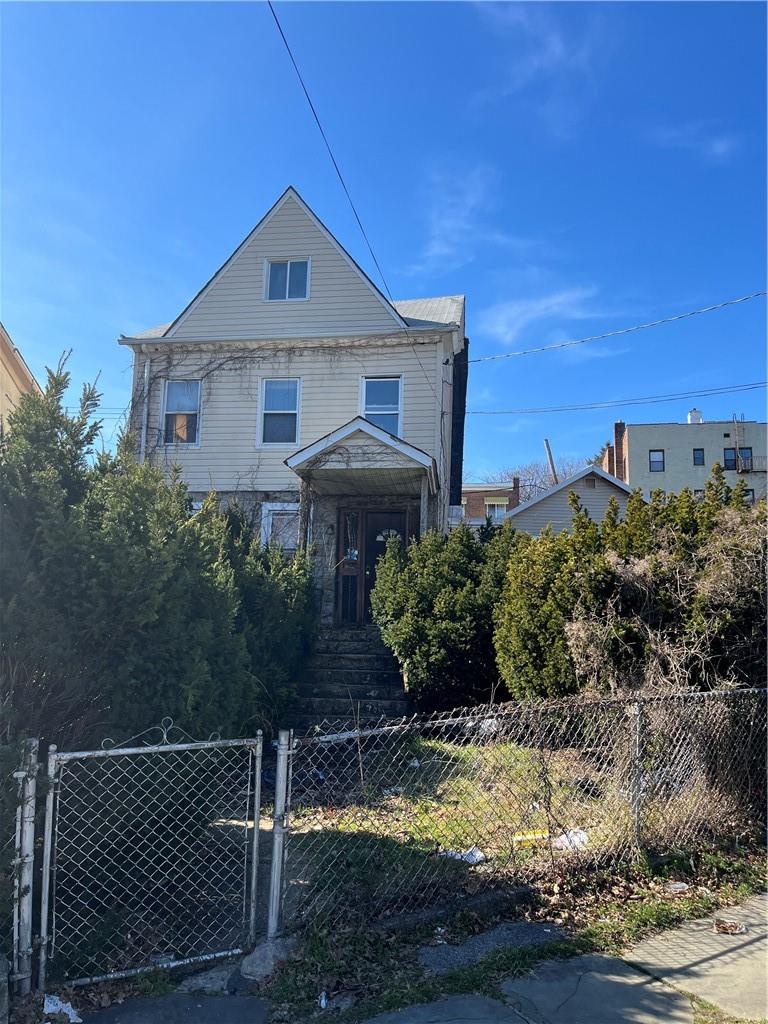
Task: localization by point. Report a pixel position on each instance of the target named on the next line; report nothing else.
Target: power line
(613, 403)
(623, 330)
(346, 190)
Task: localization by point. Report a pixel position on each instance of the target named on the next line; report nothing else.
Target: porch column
(424, 505)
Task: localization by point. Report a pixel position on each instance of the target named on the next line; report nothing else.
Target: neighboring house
(481, 502)
(16, 378)
(291, 383)
(595, 489)
(672, 456)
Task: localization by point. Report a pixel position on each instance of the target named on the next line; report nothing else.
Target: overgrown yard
(369, 971)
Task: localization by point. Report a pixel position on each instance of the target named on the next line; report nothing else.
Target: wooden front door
(363, 536)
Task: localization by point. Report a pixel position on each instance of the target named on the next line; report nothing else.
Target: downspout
(145, 417)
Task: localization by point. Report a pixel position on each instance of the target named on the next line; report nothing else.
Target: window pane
(278, 280)
(698, 456)
(279, 428)
(729, 458)
(382, 395)
(281, 395)
(182, 395)
(349, 528)
(297, 283)
(656, 461)
(180, 428)
(387, 421)
(284, 529)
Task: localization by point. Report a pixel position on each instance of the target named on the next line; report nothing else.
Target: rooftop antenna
(551, 462)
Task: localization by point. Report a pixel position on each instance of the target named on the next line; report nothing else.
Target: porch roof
(361, 458)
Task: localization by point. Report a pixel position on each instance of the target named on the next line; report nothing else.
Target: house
(481, 502)
(594, 487)
(16, 378)
(672, 456)
(292, 384)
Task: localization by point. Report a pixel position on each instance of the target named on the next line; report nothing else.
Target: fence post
(279, 828)
(255, 839)
(26, 866)
(637, 745)
(46, 869)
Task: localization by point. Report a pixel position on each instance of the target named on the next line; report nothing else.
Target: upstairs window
(381, 402)
(698, 456)
(287, 280)
(656, 460)
(745, 460)
(182, 411)
(729, 458)
(280, 411)
(496, 509)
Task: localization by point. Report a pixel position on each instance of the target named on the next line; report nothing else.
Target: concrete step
(361, 645)
(328, 659)
(357, 677)
(357, 691)
(349, 633)
(317, 708)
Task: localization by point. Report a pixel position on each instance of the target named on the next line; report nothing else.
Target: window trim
(657, 451)
(260, 442)
(267, 509)
(498, 503)
(180, 445)
(703, 462)
(269, 260)
(384, 376)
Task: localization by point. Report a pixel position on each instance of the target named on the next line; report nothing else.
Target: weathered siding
(554, 510)
(340, 301)
(228, 458)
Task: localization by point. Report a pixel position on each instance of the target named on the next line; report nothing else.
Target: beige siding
(228, 457)
(340, 301)
(554, 510)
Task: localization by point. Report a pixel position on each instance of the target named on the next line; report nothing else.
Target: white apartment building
(672, 456)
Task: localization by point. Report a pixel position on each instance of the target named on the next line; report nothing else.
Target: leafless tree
(535, 477)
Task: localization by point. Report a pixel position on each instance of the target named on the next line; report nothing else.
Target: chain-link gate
(150, 856)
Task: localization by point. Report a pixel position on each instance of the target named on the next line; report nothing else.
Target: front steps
(353, 676)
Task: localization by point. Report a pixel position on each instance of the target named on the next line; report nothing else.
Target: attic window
(287, 280)
(591, 481)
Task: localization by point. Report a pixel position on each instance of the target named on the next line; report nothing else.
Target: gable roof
(587, 471)
(362, 425)
(290, 193)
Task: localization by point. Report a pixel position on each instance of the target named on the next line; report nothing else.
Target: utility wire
(650, 400)
(346, 190)
(623, 330)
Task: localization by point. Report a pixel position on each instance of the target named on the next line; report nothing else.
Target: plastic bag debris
(394, 791)
(676, 888)
(571, 839)
(322, 1000)
(474, 855)
(53, 1005)
(414, 763)
(729, 927)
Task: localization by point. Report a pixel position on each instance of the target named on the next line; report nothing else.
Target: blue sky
(572, 168)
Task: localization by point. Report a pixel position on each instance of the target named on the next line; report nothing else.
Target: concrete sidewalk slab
(183, 1009)
(594, 990)
(730, 971)
(456, 1009)
(515, 934)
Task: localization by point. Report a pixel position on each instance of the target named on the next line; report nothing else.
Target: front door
(363, 536)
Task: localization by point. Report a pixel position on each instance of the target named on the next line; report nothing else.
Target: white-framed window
(280, 525)
(495, 509)
(181, 412)
(279, 419)
(656, 460)
(287, 280)
(381, 402)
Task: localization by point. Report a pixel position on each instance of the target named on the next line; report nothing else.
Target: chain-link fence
(150, 856)
(398, 816)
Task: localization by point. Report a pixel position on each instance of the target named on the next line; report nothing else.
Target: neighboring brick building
(494, 501)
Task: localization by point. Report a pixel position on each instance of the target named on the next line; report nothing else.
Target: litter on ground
(53, 1005)
(474, 855)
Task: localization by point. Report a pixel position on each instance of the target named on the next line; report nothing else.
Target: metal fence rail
(394, 817)
(150, 856)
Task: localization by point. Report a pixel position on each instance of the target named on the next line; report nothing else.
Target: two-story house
(671, 456)
(291, 383)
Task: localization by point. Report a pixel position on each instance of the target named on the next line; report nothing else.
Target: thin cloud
(506, 321)
(459, 219)
(699, 137)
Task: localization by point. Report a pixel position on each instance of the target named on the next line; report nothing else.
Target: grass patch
(602, 912)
